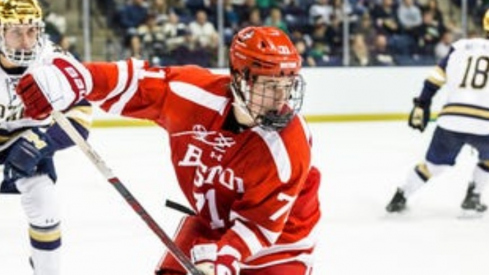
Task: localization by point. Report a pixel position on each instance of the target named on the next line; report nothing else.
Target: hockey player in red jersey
(241, 151)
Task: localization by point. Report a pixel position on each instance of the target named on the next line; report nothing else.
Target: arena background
(362, 161)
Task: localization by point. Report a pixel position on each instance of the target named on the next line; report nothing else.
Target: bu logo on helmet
(283, 50)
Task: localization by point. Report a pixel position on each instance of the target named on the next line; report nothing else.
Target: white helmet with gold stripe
(21, 31)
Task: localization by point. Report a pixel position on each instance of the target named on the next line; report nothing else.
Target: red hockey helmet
(264, 51)
(266, 84)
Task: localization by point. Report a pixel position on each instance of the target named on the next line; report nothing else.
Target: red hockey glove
(56, 84)
(211, 262)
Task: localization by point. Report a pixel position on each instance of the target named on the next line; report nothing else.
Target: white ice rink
(361, 165)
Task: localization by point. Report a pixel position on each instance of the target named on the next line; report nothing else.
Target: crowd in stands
(380, 32)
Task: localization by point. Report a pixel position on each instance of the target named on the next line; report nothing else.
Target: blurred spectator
(365, 28)
(323, 9)
(231, 21)
(381, 54)
(246, 9)
(159, 8)
(432, 6)
(179, 7)
(57, 20)
(360, 55)
(360, 7)
(452, 26)
(295, 16)
(131, 17)
(203, 32)
(343, 12)
(275, 20)
(385, 17)
(429, 34)
(443, 46)
(152, 38)
(66, 44)
(409, 16)
(55, 24)
(175, 32)
(302, 49)
(328, 36)
(254, 19)
(320, 53)
(266, 5)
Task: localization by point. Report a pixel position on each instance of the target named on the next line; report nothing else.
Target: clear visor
(273, 101)
(21, 43)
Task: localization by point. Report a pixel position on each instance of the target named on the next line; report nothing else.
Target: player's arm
(29, 153)
(420, 113)
(80, 116)
(258, 220)
(128, 88)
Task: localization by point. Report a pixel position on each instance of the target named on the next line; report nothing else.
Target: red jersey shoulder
(196, 96)
(200, 77)
(286, 154)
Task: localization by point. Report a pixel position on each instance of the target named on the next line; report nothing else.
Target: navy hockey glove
(29, 155)
(420, 115)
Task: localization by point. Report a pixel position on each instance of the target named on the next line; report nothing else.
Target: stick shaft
(96, 160)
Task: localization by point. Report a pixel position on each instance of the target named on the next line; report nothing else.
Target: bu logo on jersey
(206, 174)
(212, 138)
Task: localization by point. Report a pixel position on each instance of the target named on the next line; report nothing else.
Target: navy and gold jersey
(12, 119)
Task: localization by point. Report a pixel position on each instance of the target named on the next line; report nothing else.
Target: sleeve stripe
(123, 73)
(248, 237)
(306, 243)
(82, 115)
(199, 96)
(437, 76)
(119, 105)
(278, 151)
(271, 236)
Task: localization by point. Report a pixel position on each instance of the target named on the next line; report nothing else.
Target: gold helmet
(485, 21)
(16, 14)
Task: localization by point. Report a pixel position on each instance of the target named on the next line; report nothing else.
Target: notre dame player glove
(30, 155)
(420, 114)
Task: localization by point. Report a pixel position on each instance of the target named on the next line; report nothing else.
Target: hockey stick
(94, 157)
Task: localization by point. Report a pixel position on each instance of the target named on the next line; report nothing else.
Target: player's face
(21, 37)
(270, 94)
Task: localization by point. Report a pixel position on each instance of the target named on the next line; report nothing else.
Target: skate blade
(470, 215)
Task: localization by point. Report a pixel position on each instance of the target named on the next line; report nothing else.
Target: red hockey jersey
(249, 184)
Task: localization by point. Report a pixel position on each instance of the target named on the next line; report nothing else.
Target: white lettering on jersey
(207, 173)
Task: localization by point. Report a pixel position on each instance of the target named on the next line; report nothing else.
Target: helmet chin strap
(241, 111)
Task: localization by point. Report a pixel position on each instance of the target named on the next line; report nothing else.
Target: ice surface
(361, 163)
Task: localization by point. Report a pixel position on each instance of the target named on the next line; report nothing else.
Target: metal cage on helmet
(17, 13)
(265, 51)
